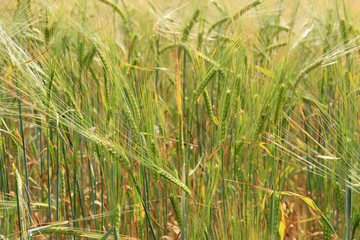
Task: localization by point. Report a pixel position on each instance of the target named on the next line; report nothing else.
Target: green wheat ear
(175, 205)
(117, 217)
(224, 114)
(20, 203)
(279, 102)
(235, 16)
(116, 8)
(190, 25)
(155, 153)
(208, 105)
(116, 151)
(172, 179)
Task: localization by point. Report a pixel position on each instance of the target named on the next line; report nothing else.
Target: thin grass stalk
(92, 187)
(223, 135)
(348, 212)
(76, 189)
(57, 217)
(306, 127)
(81, 200)
(102, 196)
(144, 206)
(48, 173)
(25, 159)
(183, 94)
(179, 95)
(145, 195)
(68, 184)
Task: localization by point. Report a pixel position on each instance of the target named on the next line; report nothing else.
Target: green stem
(25, 159)
(144, 206)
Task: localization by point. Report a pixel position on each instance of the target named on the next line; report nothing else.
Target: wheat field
(179, 119)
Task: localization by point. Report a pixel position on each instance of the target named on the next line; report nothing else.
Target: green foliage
(104, 132)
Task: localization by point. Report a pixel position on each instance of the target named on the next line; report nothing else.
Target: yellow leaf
(267, 150)
(264, 200)
(282, 225)
(216, 121)
(313, 208)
